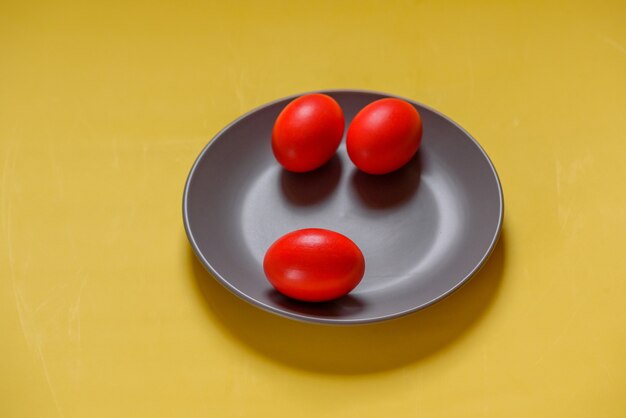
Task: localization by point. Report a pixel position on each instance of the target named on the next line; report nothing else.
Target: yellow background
(103, 109)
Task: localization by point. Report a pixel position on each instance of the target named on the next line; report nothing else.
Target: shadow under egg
(388, 190)
(342, 306)
(303, 189)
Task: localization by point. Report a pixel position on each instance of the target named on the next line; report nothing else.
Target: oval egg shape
(384, 136)
(314, 265)
(307, 132)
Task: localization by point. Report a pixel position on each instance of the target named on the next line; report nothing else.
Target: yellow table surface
(104, 107)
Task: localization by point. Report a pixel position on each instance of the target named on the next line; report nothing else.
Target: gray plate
(424, 230)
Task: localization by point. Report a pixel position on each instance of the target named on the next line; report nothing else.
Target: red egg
(307, 132)
(314, 265)
(384, 136)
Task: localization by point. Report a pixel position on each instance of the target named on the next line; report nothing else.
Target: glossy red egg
(314, 265)
(307, 132)
(384, 136)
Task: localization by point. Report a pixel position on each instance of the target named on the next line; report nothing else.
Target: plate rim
(338, 321)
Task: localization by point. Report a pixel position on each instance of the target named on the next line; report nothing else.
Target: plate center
(395, 219)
